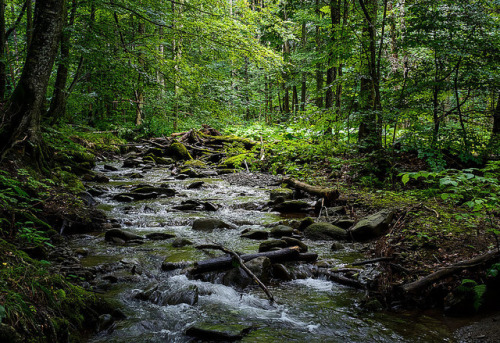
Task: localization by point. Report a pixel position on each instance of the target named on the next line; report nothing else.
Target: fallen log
(329, 194)
(373, 260)
(225, 262)
(428, 280)
(341, 279)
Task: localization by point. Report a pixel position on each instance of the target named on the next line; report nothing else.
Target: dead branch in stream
(428, 280)
(328, 194)
(242, 265)
(373, 260)
(225, 262)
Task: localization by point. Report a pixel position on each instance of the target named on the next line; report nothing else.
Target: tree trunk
(57, 108)
(21, 121)
(3, 69)
(369, 135)
(495, 133)
(319, 67)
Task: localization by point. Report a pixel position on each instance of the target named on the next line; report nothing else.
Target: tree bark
(57, 107)
(3, 69)
(21, 120)
(369, 134)
(495, 133)
(329, 194)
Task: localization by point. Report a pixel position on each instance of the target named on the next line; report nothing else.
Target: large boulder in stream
(372, 226)
(210, 224)
(281, 230)
(324, 231)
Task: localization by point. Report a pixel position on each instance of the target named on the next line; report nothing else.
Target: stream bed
(161, 305)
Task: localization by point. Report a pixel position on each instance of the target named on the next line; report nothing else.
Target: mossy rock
(82, 156)
(71, 181)
(325, 231)
(163, 160)
(178, 152)
(286, 193)
(195, 164)
(235, 161)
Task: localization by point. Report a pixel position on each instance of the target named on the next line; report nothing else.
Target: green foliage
(475, 189)
(18, 213)
(478, 291)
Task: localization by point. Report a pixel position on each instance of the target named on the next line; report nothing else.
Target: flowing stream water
(306, 309)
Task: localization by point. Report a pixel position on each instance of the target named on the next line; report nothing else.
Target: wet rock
(208, 206)
(131, 163)
(125, 236)
(256, 234)
(159, 236)
(237, 277)
(285, 193)
(107, 167)
(146, 294)
(96, 191)
(344, 223)
(292, 206)
(163, 160)
(105, 322)
(336, 246)
(305, 223)
(291, 242)
(281, 272)
(372, 226)
(87, 198)
(189, 205)
(196, 185)
(82, 251)
(100, 178)
(182, 177)
(272, 244)
(189, 295)
(135, 175)
(180, 242)
(325, 231)
(146, 189)
(335, 211)
(281, 230)
(190, 172)
(209, 224)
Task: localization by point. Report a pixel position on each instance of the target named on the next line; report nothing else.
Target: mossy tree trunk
(20, 122)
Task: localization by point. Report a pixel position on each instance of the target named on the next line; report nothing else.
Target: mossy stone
(235, 161)
(178, 152)
(285, 193)
(325, 231)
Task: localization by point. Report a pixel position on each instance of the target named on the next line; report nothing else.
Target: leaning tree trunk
(20, 123)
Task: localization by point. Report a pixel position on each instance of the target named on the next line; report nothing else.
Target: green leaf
(405, 179)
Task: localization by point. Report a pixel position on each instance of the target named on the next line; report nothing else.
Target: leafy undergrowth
(42, 306)
(34, 206)
(442, 217)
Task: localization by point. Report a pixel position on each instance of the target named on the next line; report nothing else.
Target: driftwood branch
(329, 194)
(341, 279)
(428, 280)
(242, 265)
(373, 260)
